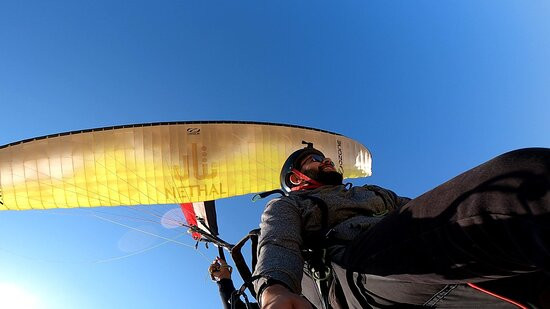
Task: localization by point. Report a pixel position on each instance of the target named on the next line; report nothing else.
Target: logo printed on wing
(193, 131)
(197, 167)
(340, 157)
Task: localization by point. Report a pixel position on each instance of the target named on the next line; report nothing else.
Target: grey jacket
(286, 220)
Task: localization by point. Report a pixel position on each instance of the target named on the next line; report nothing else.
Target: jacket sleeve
(279, 255)
(226, 288)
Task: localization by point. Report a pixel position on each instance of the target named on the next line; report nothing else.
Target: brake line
(497, 296)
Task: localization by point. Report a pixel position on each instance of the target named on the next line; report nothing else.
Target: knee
(530, 153)
(535, 159)
(534, 164)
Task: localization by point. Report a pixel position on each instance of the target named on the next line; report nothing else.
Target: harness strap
(317, 262)
(324, 211)
(235, 295)
(240, 262)
(432, 302)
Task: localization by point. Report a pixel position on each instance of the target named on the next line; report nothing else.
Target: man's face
(321, 169)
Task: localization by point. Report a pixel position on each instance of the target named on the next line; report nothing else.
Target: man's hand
(279, 297)
(219, 270)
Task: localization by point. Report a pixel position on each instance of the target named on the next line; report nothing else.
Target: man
(488, 227)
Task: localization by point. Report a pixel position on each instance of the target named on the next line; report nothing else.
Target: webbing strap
(318, 262)
(235, 295)
(324, 211)
(240, 263)
(440, 295)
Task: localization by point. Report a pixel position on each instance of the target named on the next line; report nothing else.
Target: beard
(326, 178)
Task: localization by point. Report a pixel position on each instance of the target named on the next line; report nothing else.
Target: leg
(490, 222)
(371, 291)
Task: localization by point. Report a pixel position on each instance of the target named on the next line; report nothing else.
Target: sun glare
(15, 297)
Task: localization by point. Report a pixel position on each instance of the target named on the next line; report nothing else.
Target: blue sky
(432, 88)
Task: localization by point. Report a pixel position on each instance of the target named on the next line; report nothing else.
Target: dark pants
(491, 222)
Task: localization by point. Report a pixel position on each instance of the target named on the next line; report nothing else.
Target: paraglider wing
(161, 163)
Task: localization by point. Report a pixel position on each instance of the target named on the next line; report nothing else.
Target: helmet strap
(307, 183)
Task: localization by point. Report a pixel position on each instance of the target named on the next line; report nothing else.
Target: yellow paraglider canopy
(160, 163)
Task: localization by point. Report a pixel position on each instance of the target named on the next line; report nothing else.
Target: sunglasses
(317, 158)
(313, 158)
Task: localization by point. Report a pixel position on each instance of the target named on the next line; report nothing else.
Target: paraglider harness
(317, 264)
